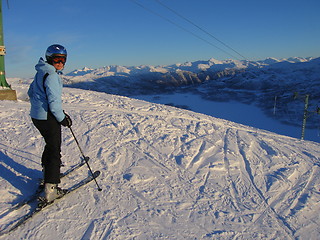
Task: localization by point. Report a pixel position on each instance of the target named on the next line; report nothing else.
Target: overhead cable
(186, 30)
(197, 26)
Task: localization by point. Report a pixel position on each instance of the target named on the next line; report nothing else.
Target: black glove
(66, 122)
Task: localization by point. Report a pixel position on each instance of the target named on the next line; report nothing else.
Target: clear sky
(145, 32)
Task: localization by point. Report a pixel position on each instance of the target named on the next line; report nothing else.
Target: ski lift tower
(6, 93)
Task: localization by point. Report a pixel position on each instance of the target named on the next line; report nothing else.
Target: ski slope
(166, 173)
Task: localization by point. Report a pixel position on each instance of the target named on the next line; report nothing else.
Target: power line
(184, 29)
(197, 26)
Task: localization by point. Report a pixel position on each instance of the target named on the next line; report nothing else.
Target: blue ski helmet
(55, 50)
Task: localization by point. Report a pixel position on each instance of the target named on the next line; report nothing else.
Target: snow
(166, 173)
(234, 111)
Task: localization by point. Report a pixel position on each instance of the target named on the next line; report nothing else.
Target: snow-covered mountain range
(270, 84)
(212, 65)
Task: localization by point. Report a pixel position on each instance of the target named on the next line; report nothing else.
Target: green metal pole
(3, 82)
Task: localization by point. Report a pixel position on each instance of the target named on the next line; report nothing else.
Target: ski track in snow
(167, 173)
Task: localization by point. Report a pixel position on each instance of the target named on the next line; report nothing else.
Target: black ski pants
(50, 129)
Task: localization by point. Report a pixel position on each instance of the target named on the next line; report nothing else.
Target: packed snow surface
(166, 173)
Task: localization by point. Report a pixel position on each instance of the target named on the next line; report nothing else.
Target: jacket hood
(44, 67)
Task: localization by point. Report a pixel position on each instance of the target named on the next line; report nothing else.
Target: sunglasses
(59, 60)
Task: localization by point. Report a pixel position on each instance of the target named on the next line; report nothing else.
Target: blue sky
(120, 32)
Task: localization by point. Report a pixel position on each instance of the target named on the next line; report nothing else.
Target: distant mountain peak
(197, 66)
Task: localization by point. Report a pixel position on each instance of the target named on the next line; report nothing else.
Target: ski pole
(85, 159)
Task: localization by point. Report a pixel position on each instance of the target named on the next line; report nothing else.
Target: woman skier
(47, 115)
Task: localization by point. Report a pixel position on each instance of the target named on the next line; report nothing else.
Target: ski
(40, 188)
(40, 205)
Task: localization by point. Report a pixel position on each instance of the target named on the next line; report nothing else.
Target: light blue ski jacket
(47, 95)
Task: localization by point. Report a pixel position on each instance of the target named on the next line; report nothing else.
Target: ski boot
(52, 192)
